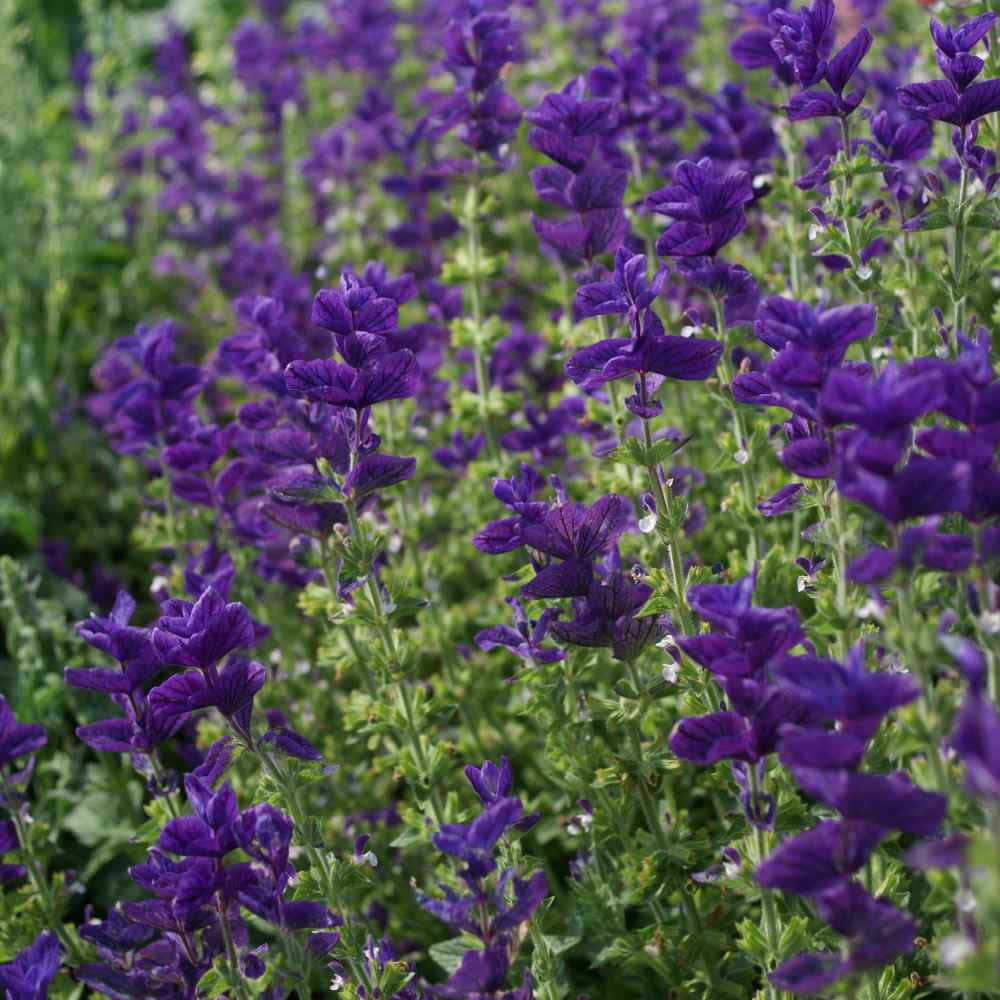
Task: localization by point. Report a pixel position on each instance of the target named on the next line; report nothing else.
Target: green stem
(232, 959)
(419, 754)
(769, 911)
(792, 227)
(926, 707)
(51, 909)
(840, 529)
(384, 630)
(958, 254)
(476, 296)
(747, 483)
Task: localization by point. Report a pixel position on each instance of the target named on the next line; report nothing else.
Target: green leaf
(448, 954)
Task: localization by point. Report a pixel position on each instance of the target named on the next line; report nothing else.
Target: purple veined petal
(551, 183)
(603, 362)
(499, 637)
(97, 679)
(291, 743)
(597, 187)
(190, 837)
(936, 99)
(378, 472)
(784, 500)
(808, 457)
(570, 578)
(686, 358)
(820, 858)
(601, 298)
(979, 100)
(844, 64)
(330, 312)
(827, 749)
(707, 739)
(377, 315)
(808, 104)
(810, 972)
(110, 736)
(500, 536)
(178, 695)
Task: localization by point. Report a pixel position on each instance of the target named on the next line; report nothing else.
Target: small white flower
(159, 583)
(956, 948)
(864, 272)
(647, 523)
(670, 672)
(337, 984)
(990, 622)
(965, 900)
(742, 456)
(813, 232)
(871, 609)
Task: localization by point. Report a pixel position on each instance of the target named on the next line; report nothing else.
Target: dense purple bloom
(803, 39)
(826, 335)
(567, 127)
(707, 209)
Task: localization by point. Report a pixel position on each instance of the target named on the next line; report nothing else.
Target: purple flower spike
(708, 210)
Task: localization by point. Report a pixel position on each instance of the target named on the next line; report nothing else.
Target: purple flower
(708, 210)
(28, 976)
(652, 352)
(833, 104)
(803, 39)
(525, 640)
(888, 800)
(491, 782)
(820, 858)
(629, 291)
(941, 101)
(388, 376)
(606, 617)
(204, 633)
(826, 334)
(17, 739)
